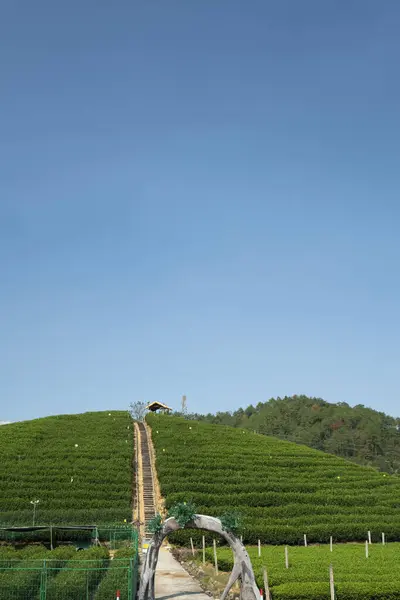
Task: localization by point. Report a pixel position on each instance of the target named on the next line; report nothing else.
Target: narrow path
(172, 581)
(147, 478)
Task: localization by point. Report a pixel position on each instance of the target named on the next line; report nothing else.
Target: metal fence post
(134, 574)
(43, 581)
(130, 581)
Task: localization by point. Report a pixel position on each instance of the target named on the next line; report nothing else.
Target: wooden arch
(242, 567)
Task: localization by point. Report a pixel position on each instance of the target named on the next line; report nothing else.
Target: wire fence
(40, 564)
(83, 536)
(117, 537)
(69, 580)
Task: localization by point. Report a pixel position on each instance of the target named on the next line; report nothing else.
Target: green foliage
(231, 521)
(155, 525)
(182, 512)
(78, 466)
(117, 577)
(65, 574)
(77, 576)
(21, 575)
(282, 490)
(355, 576)
(18, 585)
(360, 434)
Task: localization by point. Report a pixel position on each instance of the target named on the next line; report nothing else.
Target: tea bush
(116, 577)
(283, 490)
(79, 578)
(21, 570)
(64, 573)
(80, 467)
(356, 577)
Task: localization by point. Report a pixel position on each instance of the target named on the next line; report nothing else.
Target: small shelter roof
(157, 406)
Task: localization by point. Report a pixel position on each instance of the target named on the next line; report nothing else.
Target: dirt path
(172, 581)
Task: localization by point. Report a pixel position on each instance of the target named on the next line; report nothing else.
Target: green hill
(78, 466)
(282, 489)
(360, 434)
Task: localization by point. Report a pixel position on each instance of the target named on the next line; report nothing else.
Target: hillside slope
(282, 489)
(360, 434)
(78, 466)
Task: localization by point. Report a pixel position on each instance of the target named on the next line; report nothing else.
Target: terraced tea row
(79, 467)
(283, 490)
(355, 576)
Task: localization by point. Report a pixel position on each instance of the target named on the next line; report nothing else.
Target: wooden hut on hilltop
(158, 406)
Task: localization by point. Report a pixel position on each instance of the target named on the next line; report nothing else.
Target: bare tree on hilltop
(138, 410)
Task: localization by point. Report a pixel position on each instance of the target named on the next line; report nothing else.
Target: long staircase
(148, 485)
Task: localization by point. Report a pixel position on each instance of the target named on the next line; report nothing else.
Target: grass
(282, 490)
(80, 467)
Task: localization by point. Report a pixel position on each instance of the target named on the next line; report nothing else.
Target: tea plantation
(62, 574)
(281, 489)
(79, 467)
(356, 577)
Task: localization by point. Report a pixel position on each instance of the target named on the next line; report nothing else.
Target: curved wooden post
(242, 567)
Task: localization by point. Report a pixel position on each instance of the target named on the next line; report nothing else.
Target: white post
(259, 548)
(34, 503)
(331, 583)
(366, 549)
(369, 538)
(215, 557)
(383, 539)
(305, 540)
(286, 557)
(266, 585)
(241, 539)
(331, 544)
(204, 550)
(191, 544)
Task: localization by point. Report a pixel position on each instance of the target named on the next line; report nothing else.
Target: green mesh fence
(116, 536)
(30, 571)
(68, 580)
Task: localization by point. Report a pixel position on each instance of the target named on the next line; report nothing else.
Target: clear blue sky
(198, 197)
